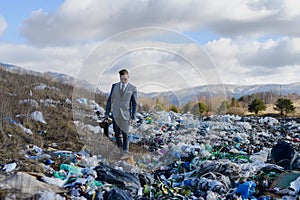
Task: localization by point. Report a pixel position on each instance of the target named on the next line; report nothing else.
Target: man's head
(124, 75)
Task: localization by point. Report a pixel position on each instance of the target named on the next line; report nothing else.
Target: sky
(170, 44)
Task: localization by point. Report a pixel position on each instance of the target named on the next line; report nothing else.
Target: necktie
(123, 86)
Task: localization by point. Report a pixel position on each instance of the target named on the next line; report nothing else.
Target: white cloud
(81, 21)
(278, 17)
(250, 62)
(283, 52)
(269, 54)
(57, 59)
(3, 25)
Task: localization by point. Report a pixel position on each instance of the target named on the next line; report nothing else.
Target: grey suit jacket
(123, 105)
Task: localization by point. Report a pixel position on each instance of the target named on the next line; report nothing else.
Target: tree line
(254, 103)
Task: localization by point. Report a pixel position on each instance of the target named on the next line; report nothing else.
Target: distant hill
(54, 76)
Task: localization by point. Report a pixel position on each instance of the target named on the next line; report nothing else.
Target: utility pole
(280, 91)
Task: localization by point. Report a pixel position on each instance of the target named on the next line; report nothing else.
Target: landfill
(181, 156)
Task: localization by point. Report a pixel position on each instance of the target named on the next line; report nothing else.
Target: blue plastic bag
(246, 189)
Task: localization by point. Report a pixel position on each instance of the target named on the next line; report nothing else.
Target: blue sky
(15, 14)
(249, 42)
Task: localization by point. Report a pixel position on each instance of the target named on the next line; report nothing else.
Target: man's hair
(123, 72)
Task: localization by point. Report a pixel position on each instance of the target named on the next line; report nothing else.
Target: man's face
(124, 78)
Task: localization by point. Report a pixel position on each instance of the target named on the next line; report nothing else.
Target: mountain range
(226, 90)
(182, 95)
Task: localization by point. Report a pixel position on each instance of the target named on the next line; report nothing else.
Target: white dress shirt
(125, 85)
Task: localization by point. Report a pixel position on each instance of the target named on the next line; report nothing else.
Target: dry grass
(59, 129)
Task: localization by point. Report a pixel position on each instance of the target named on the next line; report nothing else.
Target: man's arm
(108, 103)
(133, 104)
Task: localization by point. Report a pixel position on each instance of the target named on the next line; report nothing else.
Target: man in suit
(122, 103)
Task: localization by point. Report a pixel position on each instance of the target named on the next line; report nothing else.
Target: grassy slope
(59, 128)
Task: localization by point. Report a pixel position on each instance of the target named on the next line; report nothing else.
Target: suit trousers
(121, 135)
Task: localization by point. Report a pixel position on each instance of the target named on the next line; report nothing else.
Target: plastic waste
(48, 195)
(247, 190)
(32, 102)
(94, 183)
(83, 101)
(296, 164)
(121, 179)
(148, 120)
(283, 154)
(212, 195)
(66, 156)
(260, 156)
(213, 157)
(49, 162)
(38, 116)
(68, 101)
(71, 169)
(206, 184)
(50, 102)
(37, 149)
(295, 185)
(118, 194)
(265, 198)
(269, 120)
(288, 198)
(54, 181)
(75, 192)
(88, 161)
(76, 183)
(25, 130)
(9, 167)
(10, 120)
(60, 174)
(47, 169)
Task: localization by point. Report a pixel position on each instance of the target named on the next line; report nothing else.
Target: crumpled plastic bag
(283, 154)
(123, 180)
(247, 190)
(9, 167)
(296, 185)
(47, 195)
(38, 116)
(54, 181)
(118, 194)
(205, 184)
(227, 168)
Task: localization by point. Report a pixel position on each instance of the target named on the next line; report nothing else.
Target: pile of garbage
(183, 157)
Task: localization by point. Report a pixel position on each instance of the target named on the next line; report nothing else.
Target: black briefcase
(105, 127)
